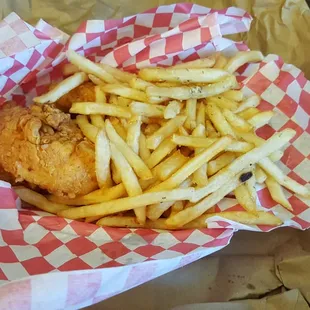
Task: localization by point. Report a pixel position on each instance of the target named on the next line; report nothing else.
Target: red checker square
(151, 39)
(217, 209)
(82, 228)
(7, 255)
(297, 205)
(182, 235)
(13, 237)
(223, 224)
(12, 46)
(157, 59)
(7, 198)
(183, 8)
(52, 222)
(265, 132)
(147, 234)
(82, 27)
(265, 105)
(117, 233)
(37, 265)
(213, 232)
(108, 37)
(123, 41)
(292, 157)
(140, 31)
(265, 198)
(114, 249)
(80, 246)
(143, 55)
(301, 79)
(15, 67)
(42, 89)
(292, 125)
(184, 247)
(129, 21)
(304, 224)
(112, 23)
(265, 228)
(174, 44)
(40, 35)
(297, 178)
(82, 287)
(284, 80)
(131, 68)
(74, 264)
(236, 207)
(287, 106)
(217, 242)
(162, 19)
(304, 101)
(308, 127)
(52, 50)
(19, 99)
(25, 220)
(191, 57)
(121, 54)
(3, 276)
(140, 274)
(9, 84)
(189, 24)
(258, 83)
(205, 34)
(112, 263)
(56, 74)
(48, 244)
(149, 250)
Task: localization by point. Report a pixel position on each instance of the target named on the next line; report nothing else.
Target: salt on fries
(160, 132)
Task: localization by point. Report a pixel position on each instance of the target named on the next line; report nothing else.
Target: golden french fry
(170, 165)
(139, 84)
(120, 75)
(220, 162)
(240, 147)
(62, 88)
(124, 102)
(276, 192)
(272, 144)
(39, 200)
(99, 94)
(133, 133)
(164, 132)
(180, 75)
(95, 80)
(193, 164)
(167, 84)
(103, 157)
(244, 198)
(261, 119)
(146, 109)
(201, 115)
(248, 113)
(128, 203)
(144, 152)
(242, 58)
(69, 69)
(195, 92)
(190, 122)
(236, 121)
(90, 67)
(207, 62)
(218, 120)
(140, 168)
(90, 131)
(183, 131)
(125, 91)
(234, 95)
(164, 149)
(260, 175)
(250, 102)
(151, 128)
(113, 99)
(88, 108)
(97, 120)
(116, 174)
(251, 186)
(119, 128)
(210, 130)
(177, 207)
(220, 62)
(172, 109)
(223, 102)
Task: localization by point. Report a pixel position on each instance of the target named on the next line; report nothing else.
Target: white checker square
(247, 92)
(215, 31)
(235, 11)
(158, 48)
(133, 241)
(307, 87)
(131, 258)
(294, 91)
(166, 9)
(3, 80)
(198, 9)
(184, 54)
(59, 256)
(271, 57)
(95, 258)
(29, 39)
(13, 17)
(303, 170)
(24, 56)
(283, 167)
(302, 144)
(199, 238)
(158, 30)
(24, 252)
(93, 43)
(145, 63)
(191, 38)
(291, 69)
(13, 271)
(95, 26)
(6, 33)
(178, 18)
(2, 55)
(250, 70)
(165, 240)
(273, 94)
(129, 61)
(34, 233)
(145, 20)
(110, 60)
(123, 32)
(135, 47)
(66, 235)
(300, 117)
(19, 75)
(99, 237)
(166, 254)
(77, 40)
(282, 213)
(279, 120)
(270, 71)
(305, 215)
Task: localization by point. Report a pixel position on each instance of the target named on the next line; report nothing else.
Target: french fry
(183, 131)
(276, 156)
(144, 152)
(90, 131)
(139, 84)
(90, 67)
(172, 109)
(97, 120)
(207, 62)
(260, 175)
(272, 144)
(119, 128)
(274, 171)
(164, 149)
(116, 174)
(220, 62)
(128, 203)
(151, 128)
(124, 102)
(120, 75)
(170, 165)
(250, 102)
(190, 122)
(234, 95)
(146, 109)
(210, 130)
(193, 92)
(201, 115)
(240, 147)
(251, 185)
(125, 91)
(69, 69)
(177, 207)
(242, 58)
(244, 198)
(133, 133)
(223, 102)
(261, 119)
(193, 164)
(99, 94)
(277, 194)
(220, 162)
(167, 84)
(113, 99)
(248, 113)
(39, 200)
(103, 157)
(236, 121)
(88, 108)
(62, 88)
(95, 80)
(140, 168)
(218, 120)
(164, 132)
(180, 75)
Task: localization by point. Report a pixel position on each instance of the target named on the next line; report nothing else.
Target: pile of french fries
(170, 144)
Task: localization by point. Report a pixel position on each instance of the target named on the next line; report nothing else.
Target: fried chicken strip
(43, 146)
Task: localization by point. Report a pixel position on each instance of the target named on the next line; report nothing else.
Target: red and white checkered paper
(74, 264)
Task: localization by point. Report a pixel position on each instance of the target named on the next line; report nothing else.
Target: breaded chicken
(43, 146)
(82, 93)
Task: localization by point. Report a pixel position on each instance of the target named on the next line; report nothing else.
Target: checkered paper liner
(80, 262)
